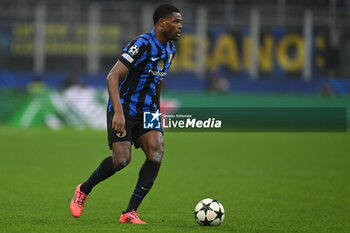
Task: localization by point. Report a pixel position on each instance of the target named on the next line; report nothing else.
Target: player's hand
(118, 122)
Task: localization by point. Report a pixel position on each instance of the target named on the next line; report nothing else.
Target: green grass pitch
(267, 182)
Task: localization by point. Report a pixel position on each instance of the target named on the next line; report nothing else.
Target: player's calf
(147, 176)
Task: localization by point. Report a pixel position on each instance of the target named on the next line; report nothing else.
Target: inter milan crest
(161, 64)
(121, 135)
(133, 50)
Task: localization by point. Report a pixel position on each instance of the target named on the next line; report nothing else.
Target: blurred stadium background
(55, 55)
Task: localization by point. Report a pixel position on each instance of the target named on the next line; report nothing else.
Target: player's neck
(160, 37)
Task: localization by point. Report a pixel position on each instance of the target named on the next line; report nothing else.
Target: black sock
(105, 170)
(147, 175)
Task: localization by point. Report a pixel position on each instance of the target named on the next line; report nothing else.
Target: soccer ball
(209, 212)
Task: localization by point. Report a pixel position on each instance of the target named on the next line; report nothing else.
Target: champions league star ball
(209, 212)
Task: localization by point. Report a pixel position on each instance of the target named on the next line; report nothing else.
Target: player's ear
(161, 22)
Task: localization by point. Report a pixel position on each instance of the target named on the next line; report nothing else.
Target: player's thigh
(121, 153)
(152, 144)
(113, 136)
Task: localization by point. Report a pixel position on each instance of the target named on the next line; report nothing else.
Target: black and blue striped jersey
(148, 61)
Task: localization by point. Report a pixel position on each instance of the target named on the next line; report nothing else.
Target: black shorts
(133, 127)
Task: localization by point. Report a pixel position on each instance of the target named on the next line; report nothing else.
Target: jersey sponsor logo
(157, 73)
(151, 120)
(133, 50)
(128, 57)
(155, 58)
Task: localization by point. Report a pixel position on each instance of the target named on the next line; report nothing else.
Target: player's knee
(157, 156)
(156, 151)
(120, 162)
(123, 162)
(121, 158)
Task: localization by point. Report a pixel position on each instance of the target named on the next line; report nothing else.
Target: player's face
(173, 26)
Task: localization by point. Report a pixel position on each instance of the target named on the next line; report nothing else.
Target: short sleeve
(134, 52)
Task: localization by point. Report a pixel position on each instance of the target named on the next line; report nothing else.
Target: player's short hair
(163, 11)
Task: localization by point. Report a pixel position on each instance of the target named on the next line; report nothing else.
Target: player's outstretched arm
(117, 73)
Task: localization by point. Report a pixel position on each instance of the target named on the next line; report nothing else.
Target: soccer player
(134, 85)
